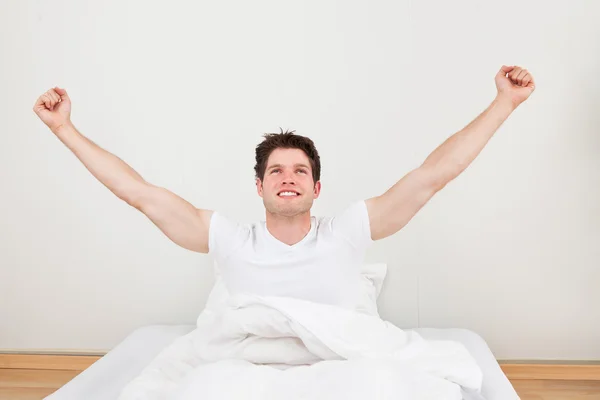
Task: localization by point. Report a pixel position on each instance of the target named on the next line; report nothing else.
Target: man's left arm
(391, 211)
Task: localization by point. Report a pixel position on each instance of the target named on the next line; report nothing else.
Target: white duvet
(282, 348)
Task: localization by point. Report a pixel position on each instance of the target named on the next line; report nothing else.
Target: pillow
(372, 277)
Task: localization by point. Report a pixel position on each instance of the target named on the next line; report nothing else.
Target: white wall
(183, 91)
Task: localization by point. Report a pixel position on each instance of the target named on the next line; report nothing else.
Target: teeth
(288, 194)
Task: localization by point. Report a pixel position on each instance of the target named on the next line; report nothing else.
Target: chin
(288, 211)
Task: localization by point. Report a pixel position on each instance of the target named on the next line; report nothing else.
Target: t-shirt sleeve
(225, 236)
(352, 224)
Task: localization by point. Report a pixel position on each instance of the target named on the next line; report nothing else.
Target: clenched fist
(54, 108)
(515, 84)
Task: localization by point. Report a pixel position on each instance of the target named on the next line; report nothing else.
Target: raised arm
(183, 223)
(392, 210)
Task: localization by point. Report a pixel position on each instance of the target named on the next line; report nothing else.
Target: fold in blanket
(283, 348)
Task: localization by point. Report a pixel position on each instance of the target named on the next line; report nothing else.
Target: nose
(288, 180)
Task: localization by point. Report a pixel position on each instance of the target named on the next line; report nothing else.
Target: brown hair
(286, 140)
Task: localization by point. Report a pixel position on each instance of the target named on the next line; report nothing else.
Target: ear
(259, 188)
(317, 189)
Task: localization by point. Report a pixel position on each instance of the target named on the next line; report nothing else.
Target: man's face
(288, 188)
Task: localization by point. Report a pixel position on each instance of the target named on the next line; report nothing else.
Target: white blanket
(282, 348)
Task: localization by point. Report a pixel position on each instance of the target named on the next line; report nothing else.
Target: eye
(301, 170)
(274, 170)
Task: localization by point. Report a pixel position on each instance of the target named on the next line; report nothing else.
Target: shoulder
(225, 234)
(355, 212)
(350, 223)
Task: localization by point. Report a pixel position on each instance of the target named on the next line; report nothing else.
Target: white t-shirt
(323, 267)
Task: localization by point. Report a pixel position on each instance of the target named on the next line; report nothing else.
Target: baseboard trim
(57, 352)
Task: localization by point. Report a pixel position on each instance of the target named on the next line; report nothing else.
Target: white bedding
(106, 378)
(283, 348)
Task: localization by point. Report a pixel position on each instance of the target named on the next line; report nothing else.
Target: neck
(289, 230)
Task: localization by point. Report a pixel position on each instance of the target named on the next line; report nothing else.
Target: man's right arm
(183, 223)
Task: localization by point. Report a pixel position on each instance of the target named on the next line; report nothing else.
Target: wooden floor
(557, 389)
(13, 387)
(35, 376)
(20, 379)
(30, 384)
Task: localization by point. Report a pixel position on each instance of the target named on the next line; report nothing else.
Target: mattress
(105, 379)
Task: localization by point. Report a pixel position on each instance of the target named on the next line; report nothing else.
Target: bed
(109, 375)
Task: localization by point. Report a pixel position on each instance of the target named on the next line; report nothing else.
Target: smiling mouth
(289, 194)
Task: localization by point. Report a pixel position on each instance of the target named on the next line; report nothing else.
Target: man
(291, 253)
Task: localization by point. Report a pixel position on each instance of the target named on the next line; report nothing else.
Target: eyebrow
(295, 165)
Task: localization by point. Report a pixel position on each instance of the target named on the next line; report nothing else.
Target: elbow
(133, 201)
(437, 177)
(135, 196)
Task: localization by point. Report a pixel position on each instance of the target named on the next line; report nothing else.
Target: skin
(289, 219)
